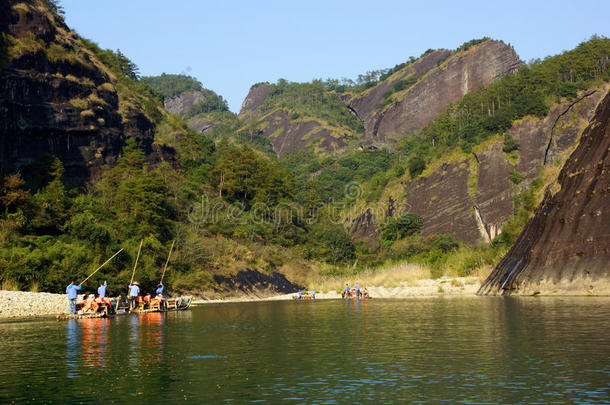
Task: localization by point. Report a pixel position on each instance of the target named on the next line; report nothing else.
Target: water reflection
(72, 343)
(134, 333)
(94, 342)
(152, 338)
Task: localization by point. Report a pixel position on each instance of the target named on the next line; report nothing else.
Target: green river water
(475, 350)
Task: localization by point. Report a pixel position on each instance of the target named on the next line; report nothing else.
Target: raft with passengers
(355, 293)
(100, 306)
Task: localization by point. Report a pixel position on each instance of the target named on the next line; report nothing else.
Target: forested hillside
(222, 192)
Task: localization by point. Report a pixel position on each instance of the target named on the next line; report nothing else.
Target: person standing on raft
(71, 290)
(134, 292)
(101, 291)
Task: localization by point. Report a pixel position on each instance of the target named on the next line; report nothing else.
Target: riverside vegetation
(231, 203)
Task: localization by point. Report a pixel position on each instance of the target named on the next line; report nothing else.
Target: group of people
(93, 303)
(354, 292)
(304, 295)
(147, 301)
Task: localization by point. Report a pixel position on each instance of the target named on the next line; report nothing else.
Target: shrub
(515, 177)
(398, 228)
(416, 166)
(510, 144)
(445, 243)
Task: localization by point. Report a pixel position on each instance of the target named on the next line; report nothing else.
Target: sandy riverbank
(21, 304)
(460, 286)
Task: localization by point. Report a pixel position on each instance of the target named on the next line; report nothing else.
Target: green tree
(407, 224)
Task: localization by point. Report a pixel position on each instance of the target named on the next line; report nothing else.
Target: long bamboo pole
(167, 261)
(133, 273)
(96, 270)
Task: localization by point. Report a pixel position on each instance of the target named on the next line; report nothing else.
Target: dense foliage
(170, 85)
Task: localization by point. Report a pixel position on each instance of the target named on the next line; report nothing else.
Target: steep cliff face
(300, 115)
(255, 98)
(57, 97)
(286, 133)
(471, 198)
(435, 81)
(565, 247)
(367, 105)
(183, 102)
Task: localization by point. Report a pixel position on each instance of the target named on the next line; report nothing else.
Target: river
(471, 350)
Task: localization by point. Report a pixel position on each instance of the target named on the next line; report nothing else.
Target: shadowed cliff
(58, 97)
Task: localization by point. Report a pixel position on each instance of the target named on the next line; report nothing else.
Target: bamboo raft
(121, 307)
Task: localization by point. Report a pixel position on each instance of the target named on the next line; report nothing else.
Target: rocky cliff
(255, 98)
(565, 248)
(471, 197)
(405, 101)
(432, 82)
(299, 115)
(57, 97)
(183, 102)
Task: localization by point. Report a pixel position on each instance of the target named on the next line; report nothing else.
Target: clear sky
(229, 45)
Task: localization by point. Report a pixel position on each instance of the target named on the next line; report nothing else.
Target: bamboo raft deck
(122, 308)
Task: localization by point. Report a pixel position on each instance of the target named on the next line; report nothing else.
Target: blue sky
(230, 45)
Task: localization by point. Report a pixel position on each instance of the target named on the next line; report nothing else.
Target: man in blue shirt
(159, 290)
(357, 287)
(71, 290)
(134, 292)
(101, 291)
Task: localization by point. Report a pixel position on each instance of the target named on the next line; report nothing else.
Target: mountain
(416, 94)
(488, 155)
(301, 116)
(472, 195)
(564, 248)
(403, 99)
(185, 96)
(58, 97)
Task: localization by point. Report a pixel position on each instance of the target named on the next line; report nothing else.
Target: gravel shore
(21, 304)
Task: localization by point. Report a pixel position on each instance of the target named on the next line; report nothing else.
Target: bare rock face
(472, 199)
(565, 248)
(493, 202)
(366, 106)
(286, 134)
(439, 84)
(56, 97)
(183, 102)
(365, 229)
(442, 200)
(200, 125)
(255, 98)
